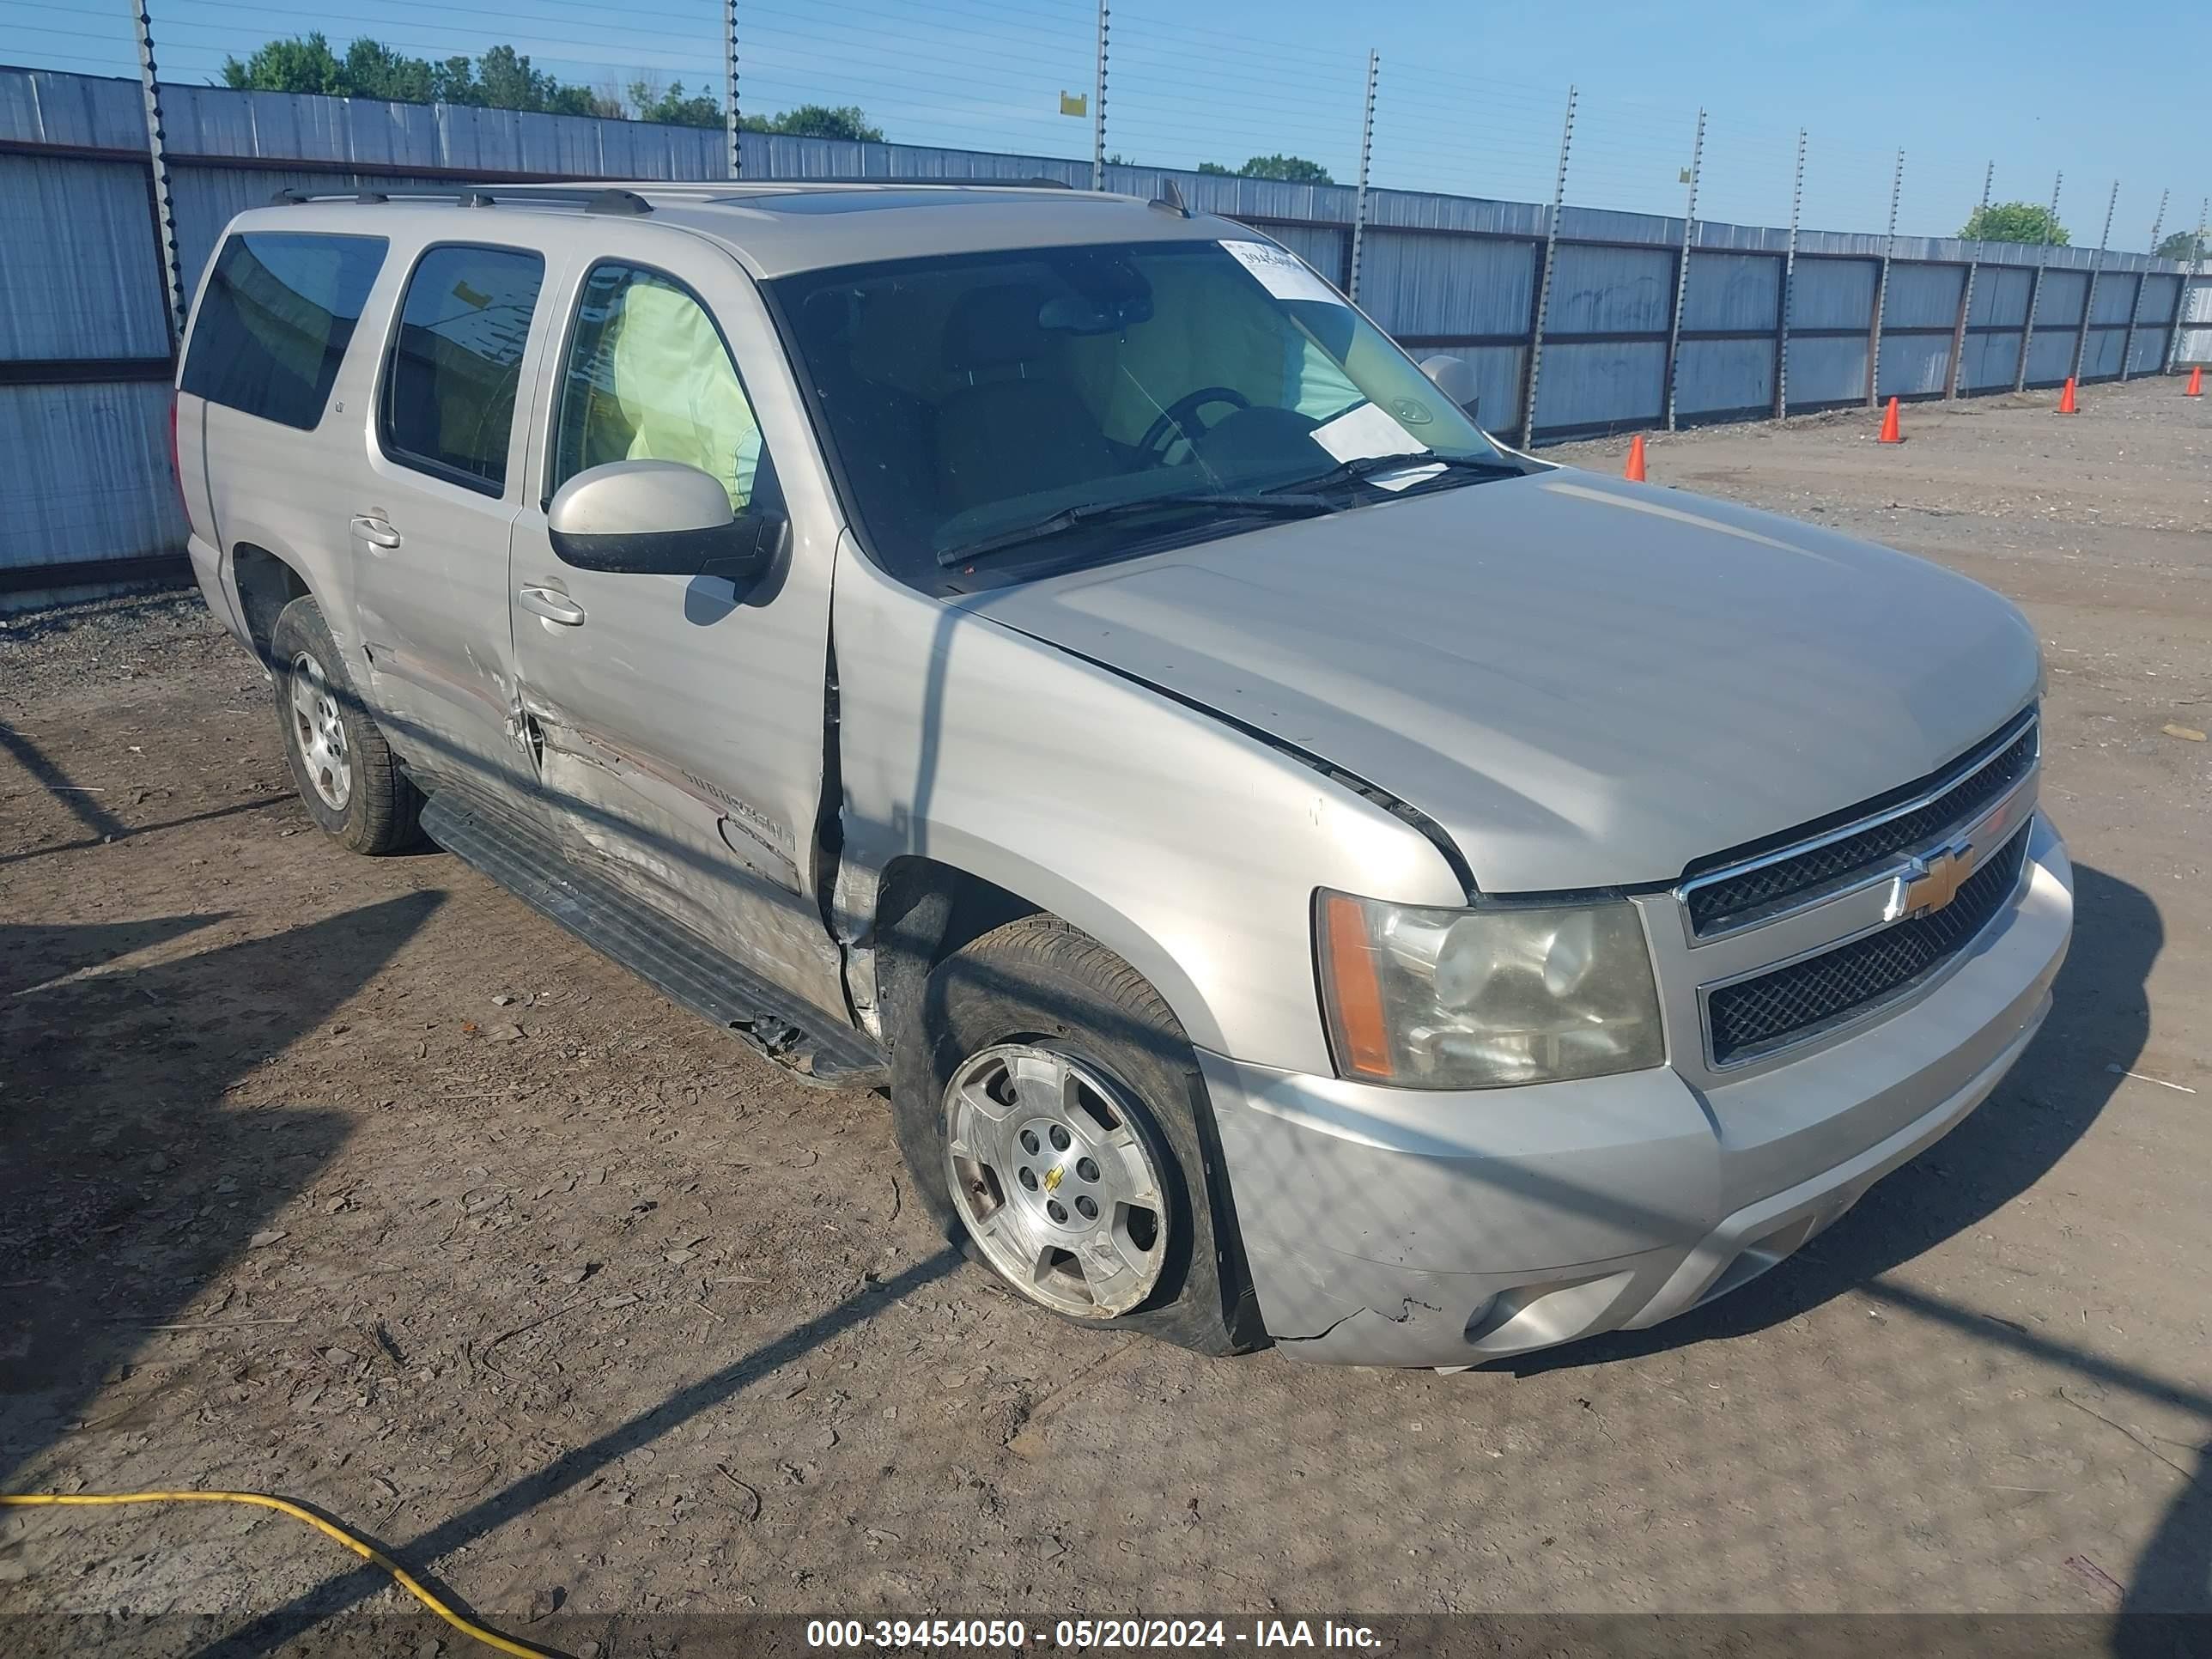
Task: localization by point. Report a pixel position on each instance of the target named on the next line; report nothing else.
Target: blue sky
(1469, 98)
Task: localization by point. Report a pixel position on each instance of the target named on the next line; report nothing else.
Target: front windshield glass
(970, 397)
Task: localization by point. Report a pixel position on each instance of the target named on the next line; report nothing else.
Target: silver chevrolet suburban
(1299, 869)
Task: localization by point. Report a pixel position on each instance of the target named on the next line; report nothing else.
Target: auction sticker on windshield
(1282, 273)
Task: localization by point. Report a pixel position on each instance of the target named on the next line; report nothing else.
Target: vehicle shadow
(2098, 1023)
(129, 1184)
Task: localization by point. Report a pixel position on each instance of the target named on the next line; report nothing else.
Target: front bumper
(1398, 1227)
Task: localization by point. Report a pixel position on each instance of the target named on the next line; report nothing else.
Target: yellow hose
(405, 1579)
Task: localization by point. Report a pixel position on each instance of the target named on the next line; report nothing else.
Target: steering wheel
(1180, 420)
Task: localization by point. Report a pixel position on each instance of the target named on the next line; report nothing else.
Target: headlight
(1428, 999)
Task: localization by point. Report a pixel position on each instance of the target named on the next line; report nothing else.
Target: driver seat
(1005, 430)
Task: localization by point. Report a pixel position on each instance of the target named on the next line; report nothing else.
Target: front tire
(1055, 1122)
(347, 777)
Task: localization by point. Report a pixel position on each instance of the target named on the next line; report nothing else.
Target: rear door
(679, 722)
(260, 427)
(432, 511)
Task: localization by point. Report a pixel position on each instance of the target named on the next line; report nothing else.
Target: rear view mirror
(1455, 377)
(660, 519)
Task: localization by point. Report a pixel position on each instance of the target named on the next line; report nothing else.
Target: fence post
(164, 214)
(1966, 294)
(1789, 281)
(2096, 267)
(729, 124)
(2142, 277)
(2181, 296)
(1543, 278)
(1099, 108)
(2035, 291)
(1882, 286)
(1366, 156)
(1682, 267)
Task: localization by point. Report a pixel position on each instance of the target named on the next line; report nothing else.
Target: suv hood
(1585, 682)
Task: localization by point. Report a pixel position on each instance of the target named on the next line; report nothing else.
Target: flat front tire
(347, 777)
(1054, 1121)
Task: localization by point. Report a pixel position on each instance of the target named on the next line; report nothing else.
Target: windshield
(970, 397)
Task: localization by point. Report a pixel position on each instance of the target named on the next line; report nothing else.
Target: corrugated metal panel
(1497, 381)
(2197, 307)
(1585, 385)
(1769, 239)
(2158, 296)
(1419, 284)
(87, 474)
(2050, 357)
(1606, 225)
(1610, 290)
(1914, 364)
(77, 261)
(2000, 296)
(1831, 294)
(1731, 375)
(2058, 304)
(205, 199)
(1419, 210)
(2115, 301)
(2100, 357)
(1827, 371)
(2148, 356)
(1990, 363)
(1732, 290)
(44, 106)
(1327, 251)
(1923, 296)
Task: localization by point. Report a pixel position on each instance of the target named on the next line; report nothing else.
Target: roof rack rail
(595, 199)
(1037, 182)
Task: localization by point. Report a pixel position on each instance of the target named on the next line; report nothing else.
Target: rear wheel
(343, 769)
(1053, 1118)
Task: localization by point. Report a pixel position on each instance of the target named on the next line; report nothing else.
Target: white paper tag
(1369, 430)
(1282, 274)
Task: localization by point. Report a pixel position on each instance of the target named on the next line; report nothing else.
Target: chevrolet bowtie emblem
(1931, 881)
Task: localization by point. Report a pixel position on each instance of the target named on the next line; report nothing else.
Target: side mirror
(1455, 377)
(660, 519)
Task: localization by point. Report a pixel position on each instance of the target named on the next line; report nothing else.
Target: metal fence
(1577, 321)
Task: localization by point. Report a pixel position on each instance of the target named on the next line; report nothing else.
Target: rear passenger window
(449, 402)
(274, 322)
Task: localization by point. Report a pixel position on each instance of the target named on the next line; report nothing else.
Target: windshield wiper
(1361, 467)
(1285, 505)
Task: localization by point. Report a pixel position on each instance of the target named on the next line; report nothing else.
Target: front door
(678, 723)
(433, 511)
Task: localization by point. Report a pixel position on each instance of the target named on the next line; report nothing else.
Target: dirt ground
(358, 1181)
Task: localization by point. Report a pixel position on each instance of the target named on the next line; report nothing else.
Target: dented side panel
(676, 731)
(1191, 849)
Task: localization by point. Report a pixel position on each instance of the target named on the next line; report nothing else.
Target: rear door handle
(376, 532)
(554, 606)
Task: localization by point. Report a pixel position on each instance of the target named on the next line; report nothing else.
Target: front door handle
(554, 606)
(375, 531)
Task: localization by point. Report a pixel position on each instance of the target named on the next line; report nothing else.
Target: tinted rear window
(275, 323)
(456, 361)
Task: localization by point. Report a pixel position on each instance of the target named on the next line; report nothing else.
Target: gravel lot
(358, 1181)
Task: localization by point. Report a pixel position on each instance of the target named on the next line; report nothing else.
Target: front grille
(1714, 905)
(1752, 1014)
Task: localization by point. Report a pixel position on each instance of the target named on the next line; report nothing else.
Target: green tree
(2015, 221)
(502, 78)
(846, 121)
(1294, 168)
(2184, 245)
(671, 108)
(294, 65)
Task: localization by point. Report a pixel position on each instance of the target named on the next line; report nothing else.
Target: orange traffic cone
(1890, 434)
(1634, 471)
(2066, 397)
(2195, 382)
